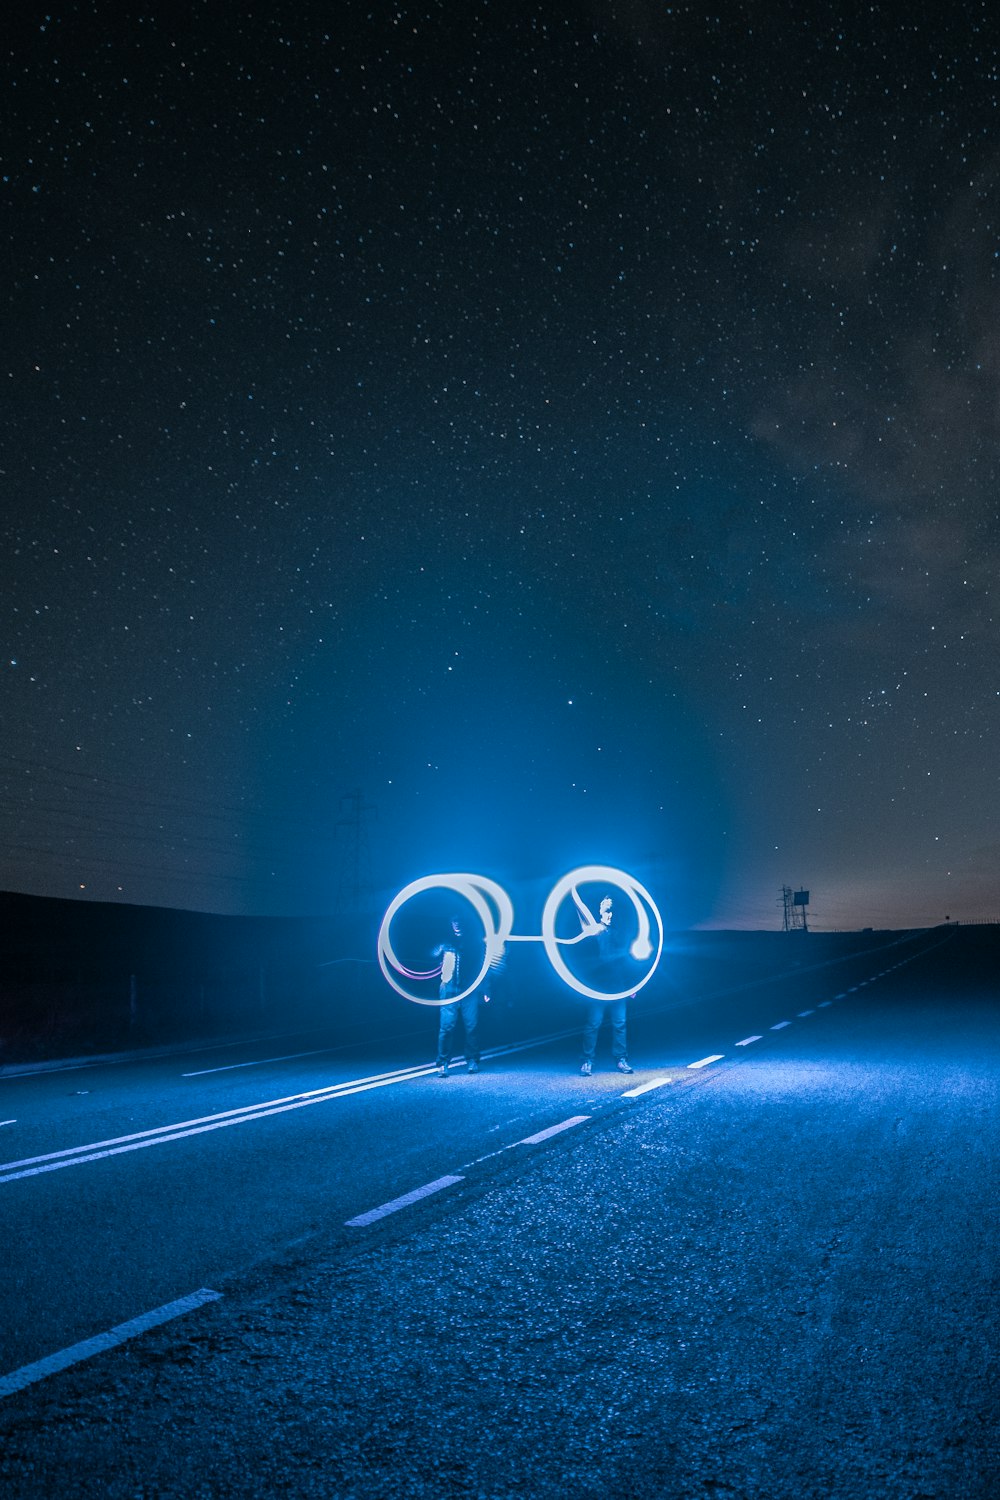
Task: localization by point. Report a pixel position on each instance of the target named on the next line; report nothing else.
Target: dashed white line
(544, 1135)
(29, 1374)
(8, 1122)
(804, 1013)
(644, 1088)
(824, 1003)
(748, 1039)
(703, 1062)
(780, 1025)
(395, 1204)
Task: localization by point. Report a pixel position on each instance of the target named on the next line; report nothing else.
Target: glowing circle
(493, 907)
(641, 948)
(474, 889)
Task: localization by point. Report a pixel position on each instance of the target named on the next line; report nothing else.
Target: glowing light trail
(495, 911)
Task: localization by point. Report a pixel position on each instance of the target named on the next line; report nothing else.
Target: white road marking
(780, 1025)
(395, 1204)
(841, 996)
(543, 1135)
(804, 1013)
(29, 1374)
(33, 1166)
(824, 1003)
(72, 1156)
(748, 1039)
(644, 1088)
(704, 1061)
(8, 1122)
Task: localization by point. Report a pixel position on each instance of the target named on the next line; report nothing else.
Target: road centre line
(27, 1375)
(544, 1135)
(644, 1088)
(212, 1122)
(804, 1013)
(824, 1003)
(395, 1204)
(72, 1156)
(8, 1122)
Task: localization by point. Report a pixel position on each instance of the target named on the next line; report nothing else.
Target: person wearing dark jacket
(455, 964)
(605, 970)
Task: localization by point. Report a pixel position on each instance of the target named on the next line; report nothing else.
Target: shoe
(473, 1067)
(586, 1070)
(624, 1066)
(442, 1070)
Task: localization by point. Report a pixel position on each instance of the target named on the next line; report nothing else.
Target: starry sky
(565, 433)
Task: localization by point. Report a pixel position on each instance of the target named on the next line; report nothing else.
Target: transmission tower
(794, 904)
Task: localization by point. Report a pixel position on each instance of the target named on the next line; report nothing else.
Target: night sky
(574, 427)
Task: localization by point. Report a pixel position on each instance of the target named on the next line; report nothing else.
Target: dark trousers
(596, 1010)
(469, 1008)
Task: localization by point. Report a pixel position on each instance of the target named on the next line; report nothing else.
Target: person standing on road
(455, 962)
(605, 968)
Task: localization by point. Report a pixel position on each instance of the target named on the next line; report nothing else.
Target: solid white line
(704, 1062)
(28, 1374)
(97, 1150)
(395, 1204)
(71, 1156)
(748, 1039)
(780, 1025)
(644, 1088)
(804, 1013)
(543, 1135)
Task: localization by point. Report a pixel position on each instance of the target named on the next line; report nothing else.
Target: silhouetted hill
(81, 975)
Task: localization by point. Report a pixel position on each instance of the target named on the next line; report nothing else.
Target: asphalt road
(771, 1274)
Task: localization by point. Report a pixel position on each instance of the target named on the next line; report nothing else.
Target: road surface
(765, 1264)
